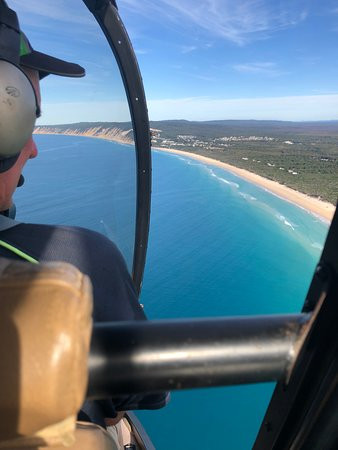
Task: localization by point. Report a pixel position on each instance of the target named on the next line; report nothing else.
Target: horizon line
(187, 120)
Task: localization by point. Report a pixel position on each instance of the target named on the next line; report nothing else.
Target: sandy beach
(320, 208)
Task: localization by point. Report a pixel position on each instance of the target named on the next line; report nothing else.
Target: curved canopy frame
(107, 16)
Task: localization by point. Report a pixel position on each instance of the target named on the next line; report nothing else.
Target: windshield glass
(85, 174)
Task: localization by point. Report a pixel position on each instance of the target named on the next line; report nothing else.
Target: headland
(296, 161)
(116, 134)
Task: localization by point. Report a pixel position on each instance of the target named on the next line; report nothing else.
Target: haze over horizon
(244, 121)
(219, 60)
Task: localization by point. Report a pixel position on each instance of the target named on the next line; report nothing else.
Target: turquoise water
(218, 246)
(85, 182)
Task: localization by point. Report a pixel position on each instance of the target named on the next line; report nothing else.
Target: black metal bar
(107, 16)
(138, 357)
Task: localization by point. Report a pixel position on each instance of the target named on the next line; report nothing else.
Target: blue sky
(216, 59)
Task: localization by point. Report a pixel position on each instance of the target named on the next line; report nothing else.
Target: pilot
(115, 298)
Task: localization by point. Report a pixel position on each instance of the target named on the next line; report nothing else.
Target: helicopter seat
(45, 328)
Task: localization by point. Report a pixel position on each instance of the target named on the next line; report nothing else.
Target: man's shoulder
(60, 240)
(59, 231)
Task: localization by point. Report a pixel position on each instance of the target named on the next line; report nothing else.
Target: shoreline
(323, 210)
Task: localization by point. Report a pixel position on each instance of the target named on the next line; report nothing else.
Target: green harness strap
(5, 224)
(18, 252)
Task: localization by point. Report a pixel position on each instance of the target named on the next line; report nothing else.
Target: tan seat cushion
(89, 436)
(45, 328)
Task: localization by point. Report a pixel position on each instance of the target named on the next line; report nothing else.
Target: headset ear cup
(18, 106)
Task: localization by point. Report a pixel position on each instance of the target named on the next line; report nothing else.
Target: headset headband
(9, 34)
(18, 102)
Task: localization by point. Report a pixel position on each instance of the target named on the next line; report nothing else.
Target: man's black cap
(46, 64)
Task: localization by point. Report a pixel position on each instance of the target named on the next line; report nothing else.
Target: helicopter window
(85, 174)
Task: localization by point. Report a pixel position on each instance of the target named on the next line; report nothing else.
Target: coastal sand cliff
(111, 134)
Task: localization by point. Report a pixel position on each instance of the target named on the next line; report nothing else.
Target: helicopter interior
(99, 360)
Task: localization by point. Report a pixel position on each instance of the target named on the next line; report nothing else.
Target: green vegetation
(84, 126)
(303, 156)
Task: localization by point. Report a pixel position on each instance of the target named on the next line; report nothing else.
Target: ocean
(219, 246)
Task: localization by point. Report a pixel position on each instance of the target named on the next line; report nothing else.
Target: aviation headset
(19, 106)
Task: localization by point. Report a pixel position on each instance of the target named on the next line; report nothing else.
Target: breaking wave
(285, 221)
